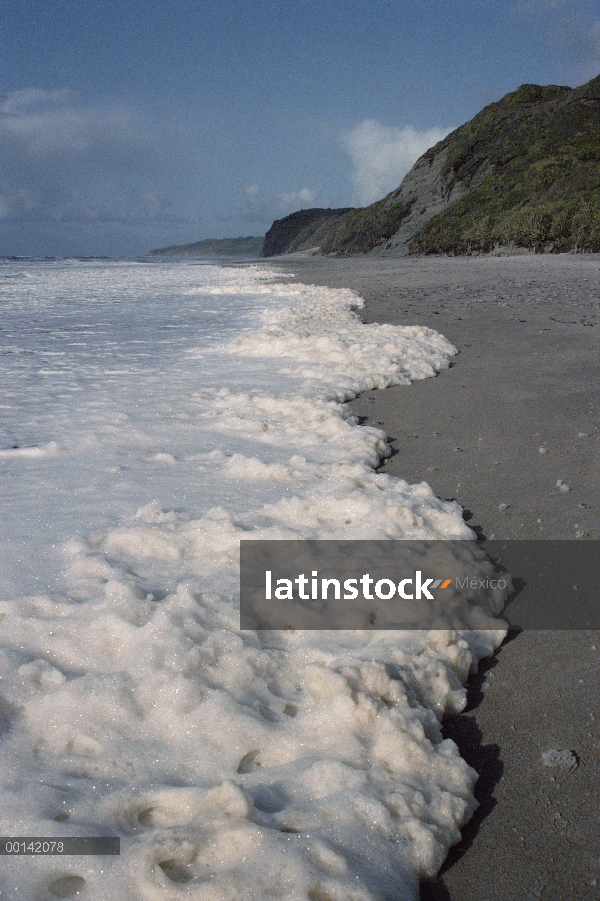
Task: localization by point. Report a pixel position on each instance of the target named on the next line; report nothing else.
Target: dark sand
(527, 376)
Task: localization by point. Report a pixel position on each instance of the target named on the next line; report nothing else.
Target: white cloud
(382, 155)
(265, 209)
(252, 192)
(297, 199)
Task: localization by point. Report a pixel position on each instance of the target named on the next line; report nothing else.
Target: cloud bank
(382, 155)
(69, 160)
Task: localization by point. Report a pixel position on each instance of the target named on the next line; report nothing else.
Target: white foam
(233, 764)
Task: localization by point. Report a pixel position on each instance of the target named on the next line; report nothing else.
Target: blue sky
(125, 126)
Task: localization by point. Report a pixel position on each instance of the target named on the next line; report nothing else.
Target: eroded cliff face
(427, 190)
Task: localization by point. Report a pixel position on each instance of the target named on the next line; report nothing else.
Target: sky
(126, 126)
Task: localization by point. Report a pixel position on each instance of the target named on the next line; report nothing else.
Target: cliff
(294, 232)
(523, 173)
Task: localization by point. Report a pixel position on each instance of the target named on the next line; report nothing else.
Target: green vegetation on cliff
(542, 146)
(343, 232)
(361, 231)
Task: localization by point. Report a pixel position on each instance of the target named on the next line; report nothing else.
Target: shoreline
(497, 318)
(526, 378)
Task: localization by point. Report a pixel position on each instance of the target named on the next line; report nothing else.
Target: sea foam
(183, 408)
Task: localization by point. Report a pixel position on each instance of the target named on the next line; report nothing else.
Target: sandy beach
(511, 431)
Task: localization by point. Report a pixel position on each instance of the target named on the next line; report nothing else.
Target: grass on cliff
(543, 192)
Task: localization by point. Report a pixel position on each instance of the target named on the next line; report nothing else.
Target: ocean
(152, 414)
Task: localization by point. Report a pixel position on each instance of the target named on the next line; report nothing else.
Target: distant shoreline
(248, 247)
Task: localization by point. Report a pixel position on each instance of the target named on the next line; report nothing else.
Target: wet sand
(515, 414)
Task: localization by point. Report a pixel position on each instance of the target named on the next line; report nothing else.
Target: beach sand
(527, 377)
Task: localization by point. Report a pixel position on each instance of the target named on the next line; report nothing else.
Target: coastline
(526, 378)
(171, 722)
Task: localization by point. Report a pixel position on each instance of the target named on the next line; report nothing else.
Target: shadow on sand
(463, 730)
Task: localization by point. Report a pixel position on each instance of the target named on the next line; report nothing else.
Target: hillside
(294, 231)
(214, 247)
(523, 173)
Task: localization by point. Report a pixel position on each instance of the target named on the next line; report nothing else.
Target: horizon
(173, 124)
